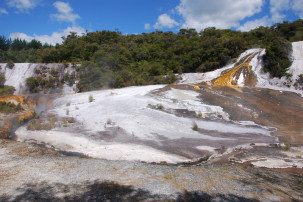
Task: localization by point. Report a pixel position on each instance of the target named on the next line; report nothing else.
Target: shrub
(195, 126)
(8, 107)
(10, 65)
(2, 80)
(68, 104)
(160, 106)
(7, 90)
(33, 84)
(71, 120)
(300, 79)
(287, 146)
(90, 98)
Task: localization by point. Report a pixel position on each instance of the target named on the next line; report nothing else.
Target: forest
(111, 59)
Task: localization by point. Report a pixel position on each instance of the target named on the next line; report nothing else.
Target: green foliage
(160, 106)
(8, 107)
(195, 126)
(39, 123)
(276, 59)
(4, 43)
(71, 120)
(44, 79)
(291, 31)
(287, 146)
(7, 90)
(90, 98)
(2, 80)
(33, 84)
(110, 59)
(10, 64)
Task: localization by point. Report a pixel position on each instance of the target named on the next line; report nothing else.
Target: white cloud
(3, 11)
(147, 26)
(200, 14)
(65, 12)
(276, 7)
(22, 5)
(165, 21)
(21, 36)
(278, 10)
(297, 6)
(52, 39)
(254, 24)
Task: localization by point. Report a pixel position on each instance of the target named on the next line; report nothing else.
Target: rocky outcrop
(51, 77)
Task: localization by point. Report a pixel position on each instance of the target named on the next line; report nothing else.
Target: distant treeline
(111, 59)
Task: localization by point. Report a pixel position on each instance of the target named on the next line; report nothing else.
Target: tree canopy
(109, 58)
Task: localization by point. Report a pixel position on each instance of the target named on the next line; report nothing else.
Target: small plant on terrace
(71, 120)
(160, 106)
(90, 98)
(10, 65)
(195, 126)
(287, 146)
(68, 104)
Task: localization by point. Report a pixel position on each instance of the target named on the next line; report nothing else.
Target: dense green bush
(2, 80)
(33, 84)
(276, 59)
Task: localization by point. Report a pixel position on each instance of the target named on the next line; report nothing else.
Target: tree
(4, 43)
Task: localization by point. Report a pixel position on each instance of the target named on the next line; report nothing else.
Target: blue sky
(49, 20)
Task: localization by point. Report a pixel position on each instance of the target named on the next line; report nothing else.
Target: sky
(49, 20)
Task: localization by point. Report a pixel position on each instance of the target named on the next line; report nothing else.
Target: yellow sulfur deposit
(13, 98)
(196, 87)
(26, 115)
(227, 78)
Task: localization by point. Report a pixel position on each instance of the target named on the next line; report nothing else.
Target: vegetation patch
(49, 122)
(7, 90)
(90, 98)
(195, 126)
(40, 123)
(111, 59)
(8, 107)
(160, 106)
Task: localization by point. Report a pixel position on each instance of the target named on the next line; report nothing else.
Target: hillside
(211, 134)
(110, 59)
(224, 105)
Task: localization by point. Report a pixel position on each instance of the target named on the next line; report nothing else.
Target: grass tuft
(195, 126)
(90, 98)
(160, 106)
